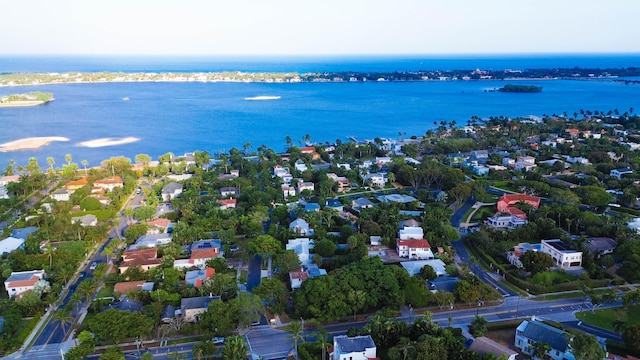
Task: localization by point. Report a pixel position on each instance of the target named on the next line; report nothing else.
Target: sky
(320, 27)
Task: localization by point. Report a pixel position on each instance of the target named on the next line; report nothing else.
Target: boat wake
(108, 142)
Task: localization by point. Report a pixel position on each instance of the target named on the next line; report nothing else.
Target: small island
(29, 99)
(520, 88)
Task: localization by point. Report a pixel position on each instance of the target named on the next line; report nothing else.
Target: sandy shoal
(108, 142)
(22, 103)
(30, 143)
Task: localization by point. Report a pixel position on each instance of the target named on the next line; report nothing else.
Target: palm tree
(68, 158)
(246, 147)
(49, 251)
(51, 161)
(64, 316)
(322, 338)
(289, 141)
(85, 163)
(235, 348)
(86, 288)
(295, 330)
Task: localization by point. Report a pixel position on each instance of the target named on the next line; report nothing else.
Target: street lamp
(410, 314)
(138, 343)
(478, 308)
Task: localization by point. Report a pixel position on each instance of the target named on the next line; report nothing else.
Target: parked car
(93, 265)
(218, 340)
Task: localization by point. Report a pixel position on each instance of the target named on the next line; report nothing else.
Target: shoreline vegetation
(511, 88)
(33, 98)
(19, 79)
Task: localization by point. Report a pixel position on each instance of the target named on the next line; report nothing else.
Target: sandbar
(21, 103)
(108, 142)
(30, 143)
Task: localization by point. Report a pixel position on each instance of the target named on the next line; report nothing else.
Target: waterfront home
(20, 282)
(532, 331)
(353, 348)
(109, 183)
(171, 190)
(563, 255)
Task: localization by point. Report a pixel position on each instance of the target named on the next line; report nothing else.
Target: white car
(218, 340)
(93, 265)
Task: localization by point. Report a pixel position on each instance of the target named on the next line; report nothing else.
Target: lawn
(549, 278)
(606, 318)
(483, 213)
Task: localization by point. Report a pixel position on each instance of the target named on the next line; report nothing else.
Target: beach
(30, 143)
(21, 103)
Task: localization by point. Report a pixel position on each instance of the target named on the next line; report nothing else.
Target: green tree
(63, 315)
(274, 293)
(631, 338)
(325, 248)
(286, 261)
(586, 347)
(295, 331)
(112, 353)
(235, 348)
(536, 261)
(540, 350)
(478, 326)
(427, 273)
(51, 161)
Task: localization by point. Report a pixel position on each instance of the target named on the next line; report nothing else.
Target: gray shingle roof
(197, 302)
(354, 344)
(542, 332)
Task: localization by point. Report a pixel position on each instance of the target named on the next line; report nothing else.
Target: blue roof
(538, 331)
(311, 207)
(23, 233)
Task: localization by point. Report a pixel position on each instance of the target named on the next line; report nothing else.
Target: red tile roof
(414, 244)
(204, 253)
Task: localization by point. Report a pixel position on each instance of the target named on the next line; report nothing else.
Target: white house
(10, 244)
(563, 255)
(300, 166)
(505, 222)
(375, 180)
(301, 227)
(618, 173)
(109, 183)
(411, 232)
(301, 247)
(4, 181)
(287, 190)
(171, 190)
(20, 282)
(86, 220)
(353, 348)
(414, 249)
(61, 194)
(305, 185)
(531, 331)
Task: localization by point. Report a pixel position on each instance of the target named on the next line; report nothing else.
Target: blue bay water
(182, 117)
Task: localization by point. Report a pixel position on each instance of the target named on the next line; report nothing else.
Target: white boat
(255, 98)
(125, 99)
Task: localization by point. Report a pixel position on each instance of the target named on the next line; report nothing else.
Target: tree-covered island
(520, 88)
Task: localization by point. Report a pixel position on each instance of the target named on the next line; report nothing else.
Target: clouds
(318, 27)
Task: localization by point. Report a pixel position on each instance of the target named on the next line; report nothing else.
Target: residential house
(398, 198)
(74, 185)
(507, 201)
(508, 222)
(126, 304)
(341, 181)
(179, 177)
(208, 244)
(62, 194)
(158, 226)
(481, 156)
(353, 348)
(301, 247)
(86, 220)
(411, 233)
(483, 345)
(305, 185)
(287, 190)
(10, 244)
(150, 241)
(101, 199)
(300, 166)
(4, 181)
(301, 227)
(199, 257)
(311, 151)
(229, 191)
(191, 308)
(171, 190)
(122, 288)
(146, 259)
(197, 277)
(20, 282)
(311, 207)
(563, 255)
(414, 249)
(226, 204)
(480, 170)
(532, 331)
(280, 171)
(509, 162)
(375, 180)
(297, 277)
(109, 183)
(601, 246)
(618, 173)
(525, 163)
(517, 251)
(457, 158)
(413, 267)
(361, 203)
(334, 203)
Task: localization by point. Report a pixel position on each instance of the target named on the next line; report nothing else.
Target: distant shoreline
(21, 79)
(22, 103)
